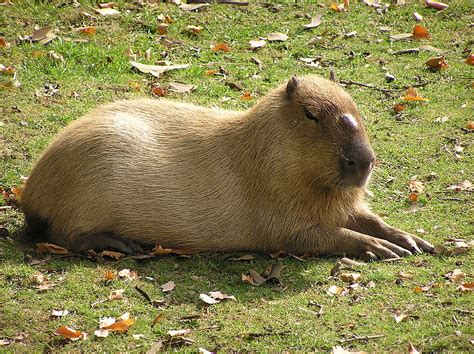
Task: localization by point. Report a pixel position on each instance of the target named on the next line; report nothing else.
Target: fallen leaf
(210, 72)
(112, 254)
(109, 275)
(162, 28)
(168, 19)
(50, 248)
(315, 21)
(437, 63)
(59, 313)
(411, 94)
(399, 317)
(159, 250)
(169, 286)
(43, 35)
(181, 88)
(204, 351)
(337, 7)
(157, 319)
(456, 275)
(107, 11)
(257, 44)
(436, 5)
(334, 290)
(416, 186)
(403, 275)
(87, 30)
(138, 336)
(158, 90)
(156, 70)
(192, 7)
(194, 29)
(128, 274)
(178, 333)
(3, 42)
(420, 32)
(207, 299)
(222, 47)
(55, 56)
(470, 59)
(470, 126)
(247, 257)
(278, 254)
(400, 36)
(106, 5)
(120, 326)
(398, 107)
(277, 37)
(465, 287)
(246, 96)
(69, 333)
(430, 48)
(349, 277)
(217, 295)
(350, 34)
(117, 294)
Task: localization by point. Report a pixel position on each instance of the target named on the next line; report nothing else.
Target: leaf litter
(269, 276)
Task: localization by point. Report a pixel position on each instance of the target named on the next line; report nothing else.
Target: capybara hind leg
(106, 241)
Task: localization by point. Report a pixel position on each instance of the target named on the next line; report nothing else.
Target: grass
(266, 317)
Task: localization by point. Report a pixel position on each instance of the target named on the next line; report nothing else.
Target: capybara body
(288, 174)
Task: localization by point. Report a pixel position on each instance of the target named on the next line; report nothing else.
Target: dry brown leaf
(400, 36)
(181, 88)
(8, 70)
(217, 295)
(246, 96)
(112, 254)
(157, 319)
(3, 42)
(109, 275)
(120, 326)
(168, 19)
(257, 44)
(87, 30)
(412, 95)
(207, 299)
(169, 286)
(178, 333)
(50, 248)
(399, 317)
(210, 72)
(350, 277)
(107, 11)
(162, 29)
(106, 5)
(456, 275)
(470, 126)
(334, 290)
(102, 333)
(420, 32)
(315, 21)
(436, 5)
(398, 107)
(70, 333)
(403, 275)
(158, 90)
(466, 287)
(437, 63)
(194, 29)
(337, 7)
(278, 254)
(117, 295)
(156, 70)
(128, 274)
(470, 59)
(277, 37)
(159, 250)
(248, 279)
(222, 47)
(43, 35)
(192, 7)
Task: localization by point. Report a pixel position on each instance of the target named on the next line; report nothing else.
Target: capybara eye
(310, 115)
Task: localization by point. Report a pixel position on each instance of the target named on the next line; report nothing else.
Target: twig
(382, 89)
(356, 337)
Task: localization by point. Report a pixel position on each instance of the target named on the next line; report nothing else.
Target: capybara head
(333, 142)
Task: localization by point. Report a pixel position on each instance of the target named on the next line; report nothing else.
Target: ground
(427, 142)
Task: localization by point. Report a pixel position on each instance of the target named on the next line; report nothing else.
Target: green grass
(99, 72)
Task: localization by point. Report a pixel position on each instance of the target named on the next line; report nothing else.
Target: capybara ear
(332, 76)
(291, 86)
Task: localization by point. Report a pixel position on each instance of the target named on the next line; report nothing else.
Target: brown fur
(183, 176)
